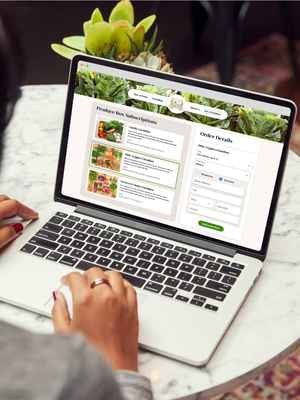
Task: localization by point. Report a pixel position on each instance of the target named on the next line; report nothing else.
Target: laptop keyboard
(152, 264)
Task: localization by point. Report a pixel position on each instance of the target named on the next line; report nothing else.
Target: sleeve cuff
(134, 386)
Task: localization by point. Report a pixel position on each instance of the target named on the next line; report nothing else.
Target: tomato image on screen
(106, 157)
(102, 184)
(110, 130)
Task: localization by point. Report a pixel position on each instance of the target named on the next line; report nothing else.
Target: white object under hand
(68, 296)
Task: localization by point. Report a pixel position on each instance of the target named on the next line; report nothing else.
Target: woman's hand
(106, 315)
(10, 208)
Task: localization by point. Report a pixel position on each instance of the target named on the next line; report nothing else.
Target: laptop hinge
(154, 230)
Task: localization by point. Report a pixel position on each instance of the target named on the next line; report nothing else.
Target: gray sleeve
(134, 386)
(51, 367)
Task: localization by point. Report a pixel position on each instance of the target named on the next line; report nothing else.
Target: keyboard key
(68, 232)
(53, 256)
(116, 265)
(130, 269)
(180, 249)
(145, 246)
(200, 298)
(134, 280)
(212, 265)
(80, 236)
(130, 260)
(167, 245)
(171, 254)
(216, 276)
(132, 251)
(68, 224)
(61, 214)
(126, 233)
(90, 257)
(230, 271)
(195, 253)
(132, 242)
(198, 281)
(211, 307)
(196, 302)
(153, 241)
(84, 265)
(91, 248)
(77, 244)
(64, 240)
(236, 265)
(28, 248)
(139, 237)
(173, 263)
(80, 227)
(169, 292)
(77, 253)
(119, 247)
(182, 298)
(93, 231)
(116, 256)
(52, 227)
(221, 287)
(44, 243)
(186, 267)
(64, 249)
(93, 239)
(223, 261)
(99, 225)
(208, 257)
(47, 235)
(106, 234)
(67, 260)
(143, 264)
(185, 258)
(200, 271)
(170, 272)
(157, 278)
(106, 243)
(199, 262)
(113, 229)
(172, 282)
(158, 250)
(74, 218)
(209, 293)
(103, 261)
(87, 222)
(153, 287)
(186, 286)
(55, 220)
(156, 268)
(103, 252)
(159, 259)
(119, 238)
(229, 280)
(146, 255)
(184, 276)
(143, 273)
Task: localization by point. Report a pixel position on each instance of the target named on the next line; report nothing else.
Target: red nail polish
(54, 296)
(17, 227)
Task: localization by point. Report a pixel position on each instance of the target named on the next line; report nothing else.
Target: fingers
(3, 197)
(130, 294)
(96, 273)
(78, 285)
(7, 234)
(60, 315)
(116, 282)
(10, 208)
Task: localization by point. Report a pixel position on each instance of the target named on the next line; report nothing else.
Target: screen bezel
(58, 196)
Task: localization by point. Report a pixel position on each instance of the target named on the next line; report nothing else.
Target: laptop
(169, 180)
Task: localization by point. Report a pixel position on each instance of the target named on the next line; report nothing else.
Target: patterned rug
(260, 68)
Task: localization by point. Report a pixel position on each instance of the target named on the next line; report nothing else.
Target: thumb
(8, 233)
(60, 314)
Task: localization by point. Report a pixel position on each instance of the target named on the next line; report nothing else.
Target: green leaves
(122, 11)
(146, 23)
(64, 51)
(98, 38)
(75, 42)
(96, 16)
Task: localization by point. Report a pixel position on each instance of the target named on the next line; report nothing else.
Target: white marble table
(270, 319)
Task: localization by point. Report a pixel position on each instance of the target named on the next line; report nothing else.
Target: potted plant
(118, 39)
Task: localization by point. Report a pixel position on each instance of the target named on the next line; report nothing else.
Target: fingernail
(17, 227)
(54, 296)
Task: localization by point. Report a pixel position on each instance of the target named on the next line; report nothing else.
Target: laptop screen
(200, 160)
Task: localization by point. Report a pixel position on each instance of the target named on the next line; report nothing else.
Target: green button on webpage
(209, 225)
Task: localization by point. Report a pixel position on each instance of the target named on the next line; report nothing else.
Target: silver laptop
(169, 180)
